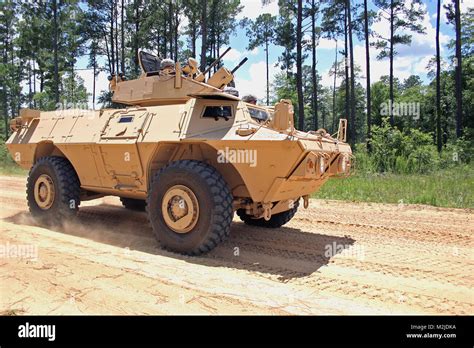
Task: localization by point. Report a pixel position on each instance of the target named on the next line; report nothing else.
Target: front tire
(53, 190)
(190, 207)
(276, 221)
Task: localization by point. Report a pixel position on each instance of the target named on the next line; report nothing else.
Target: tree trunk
(94, 76)
(29, 84)
(334, 94)
(193, 42)
(4, 90)
(268, 72)
(458, 83)
(203, 34)
(438, 82)
(299, 63)
(122, 37)
(116, 37)
(5, 112)
(135, 43)
(55, 51)
(352, 125)
(170, 28)
(112, 51)
(109, 58)
(34, 80)
(164, 50)
(346, 68)
(176, 34)
(392, 121)
(313, 66)
(367, 65)
(41, 81)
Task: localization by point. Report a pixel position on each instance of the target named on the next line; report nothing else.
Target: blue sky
(251, 77)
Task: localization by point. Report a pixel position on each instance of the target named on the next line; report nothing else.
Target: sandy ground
(333, 258)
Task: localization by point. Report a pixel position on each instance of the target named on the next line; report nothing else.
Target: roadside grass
(12, 169)
(452, 188)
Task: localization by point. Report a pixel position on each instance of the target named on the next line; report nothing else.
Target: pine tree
(401, 18)
(261, 32)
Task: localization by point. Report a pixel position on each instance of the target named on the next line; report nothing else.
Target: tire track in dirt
(389, 259)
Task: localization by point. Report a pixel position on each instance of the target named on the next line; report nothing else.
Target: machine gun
(214, 63)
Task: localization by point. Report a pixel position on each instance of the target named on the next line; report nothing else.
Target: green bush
(5, 158)
(458, 152)
(409, 152)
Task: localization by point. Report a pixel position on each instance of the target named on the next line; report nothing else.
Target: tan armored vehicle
(186, 148)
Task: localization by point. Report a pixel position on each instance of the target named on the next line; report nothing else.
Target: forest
(396, 127)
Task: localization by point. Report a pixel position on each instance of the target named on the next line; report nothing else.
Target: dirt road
(333, 258)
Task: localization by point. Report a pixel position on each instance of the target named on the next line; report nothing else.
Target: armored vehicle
(186, 148)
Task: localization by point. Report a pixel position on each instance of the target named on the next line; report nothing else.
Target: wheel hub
(44, 191)
(180, 209)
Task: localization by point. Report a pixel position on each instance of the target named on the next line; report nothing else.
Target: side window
(258, 114)
(126, 118)
(216, 112)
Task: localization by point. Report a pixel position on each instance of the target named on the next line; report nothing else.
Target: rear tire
(190, 207)
(133, 204)
(53, 190)
(277, 220)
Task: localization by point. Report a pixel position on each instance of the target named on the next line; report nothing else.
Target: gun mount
(165, 82)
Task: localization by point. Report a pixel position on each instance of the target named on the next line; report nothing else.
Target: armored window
(217, 112)
(257, 114)
(126, 118)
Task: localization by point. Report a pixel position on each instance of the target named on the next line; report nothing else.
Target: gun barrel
(216, 61)
(242, 62)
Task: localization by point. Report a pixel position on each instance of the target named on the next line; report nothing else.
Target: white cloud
(233, 56)
(326, 79)
(410, 60)
(328, 44)
(254, 8)
(256, 84)
(255, 51)
(422, 44)
(463, 5)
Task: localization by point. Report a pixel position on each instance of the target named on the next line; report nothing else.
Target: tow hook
(267, 211)
(306, 201)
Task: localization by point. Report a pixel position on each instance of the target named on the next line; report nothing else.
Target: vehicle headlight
(322, 165)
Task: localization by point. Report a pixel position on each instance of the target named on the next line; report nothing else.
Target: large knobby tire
(277, 220)
(53, 190)
(190, 207)
(133, 204)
